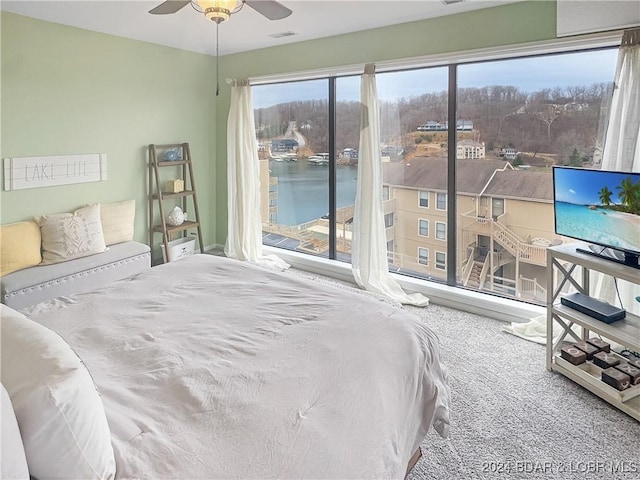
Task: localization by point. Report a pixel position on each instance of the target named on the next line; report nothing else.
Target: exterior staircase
(523, 251)
(474, 277)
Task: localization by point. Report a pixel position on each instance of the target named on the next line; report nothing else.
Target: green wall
(66, 90)
(506, 25)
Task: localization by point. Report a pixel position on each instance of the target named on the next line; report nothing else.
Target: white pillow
(66, 236)
(117, 221)
(61, 416)
(14, 463)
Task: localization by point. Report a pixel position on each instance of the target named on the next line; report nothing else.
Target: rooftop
(431, 173)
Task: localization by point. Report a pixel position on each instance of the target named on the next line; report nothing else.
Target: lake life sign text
(34, 172)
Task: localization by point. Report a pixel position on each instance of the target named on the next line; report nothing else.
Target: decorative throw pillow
(66, 236)
(14, 463)
(117, 221)
(61, 416)
(19, 246)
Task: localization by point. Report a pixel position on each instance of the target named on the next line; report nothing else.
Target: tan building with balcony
(504, 223)
(467, 148)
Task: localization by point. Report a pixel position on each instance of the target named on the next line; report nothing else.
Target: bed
(213, 368)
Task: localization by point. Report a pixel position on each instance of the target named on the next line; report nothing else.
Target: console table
(566, 265)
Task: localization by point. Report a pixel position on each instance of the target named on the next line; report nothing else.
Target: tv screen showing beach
(598, 206)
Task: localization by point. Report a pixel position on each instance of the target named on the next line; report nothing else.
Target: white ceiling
(247, 30)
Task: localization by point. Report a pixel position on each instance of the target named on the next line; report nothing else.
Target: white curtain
(244, 237)
(622, 149)
(622, 140)
(369, 245)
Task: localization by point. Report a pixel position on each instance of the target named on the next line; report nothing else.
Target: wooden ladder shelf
(159, 195)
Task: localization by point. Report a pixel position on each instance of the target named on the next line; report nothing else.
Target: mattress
(213, 368)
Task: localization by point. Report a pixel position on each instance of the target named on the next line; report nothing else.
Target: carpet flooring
(511, 418)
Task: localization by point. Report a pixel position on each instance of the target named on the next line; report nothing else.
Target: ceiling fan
(220, 10)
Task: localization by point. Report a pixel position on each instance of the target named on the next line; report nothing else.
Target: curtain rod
(631, 38)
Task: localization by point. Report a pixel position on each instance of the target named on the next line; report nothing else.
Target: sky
(528, 74)
(581, 186)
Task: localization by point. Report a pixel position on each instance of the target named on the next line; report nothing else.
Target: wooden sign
(34, 172)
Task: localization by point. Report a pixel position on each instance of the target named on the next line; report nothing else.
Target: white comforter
(212, 368)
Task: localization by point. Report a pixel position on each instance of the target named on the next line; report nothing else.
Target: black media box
(594, 308)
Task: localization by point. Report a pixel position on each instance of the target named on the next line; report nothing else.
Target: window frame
(444, 261)
(420, 198)
(420, 220)
(554, 46)
(426, 257)
(390, 215)
(445, 231)
(386, 193)
(438, 196)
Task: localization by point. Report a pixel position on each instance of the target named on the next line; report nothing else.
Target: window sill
(458, 298)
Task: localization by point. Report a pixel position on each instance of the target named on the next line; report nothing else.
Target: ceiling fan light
(217, 10)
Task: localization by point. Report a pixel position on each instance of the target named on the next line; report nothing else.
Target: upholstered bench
(45, 282)
(61, 254)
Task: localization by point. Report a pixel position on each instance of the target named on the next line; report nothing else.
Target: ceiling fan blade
(269, 8)
(170, 6)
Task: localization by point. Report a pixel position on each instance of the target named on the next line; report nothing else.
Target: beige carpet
(511, 418)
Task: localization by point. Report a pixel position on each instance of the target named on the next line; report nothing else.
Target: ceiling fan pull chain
(217, 61)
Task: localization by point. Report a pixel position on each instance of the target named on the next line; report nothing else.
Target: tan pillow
(66, 236)
(19, 246)
(117, 221)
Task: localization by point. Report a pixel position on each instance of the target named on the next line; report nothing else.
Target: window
(414, 109)
(510, 128)
(388, 220)
(424, 199)
(497, 207)
(521, 127)
(299, 189)
(423, 256)
(423, 228)
(390, 251)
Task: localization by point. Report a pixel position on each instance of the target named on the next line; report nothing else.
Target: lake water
(303, 190)
(602, 226)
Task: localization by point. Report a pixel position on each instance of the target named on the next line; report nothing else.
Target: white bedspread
(212, 368)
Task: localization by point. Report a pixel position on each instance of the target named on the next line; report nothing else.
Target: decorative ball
(172, 155)
(176, 216)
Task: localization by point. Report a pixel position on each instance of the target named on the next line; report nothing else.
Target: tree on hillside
(501, 115)
(574, 159)
(547, 114)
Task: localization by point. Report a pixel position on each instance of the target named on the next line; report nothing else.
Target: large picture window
(492, 219)
(526, 115)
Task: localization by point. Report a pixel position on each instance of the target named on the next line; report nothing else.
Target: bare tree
(548, 114)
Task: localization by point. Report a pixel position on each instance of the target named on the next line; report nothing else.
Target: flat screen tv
(601, 208)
